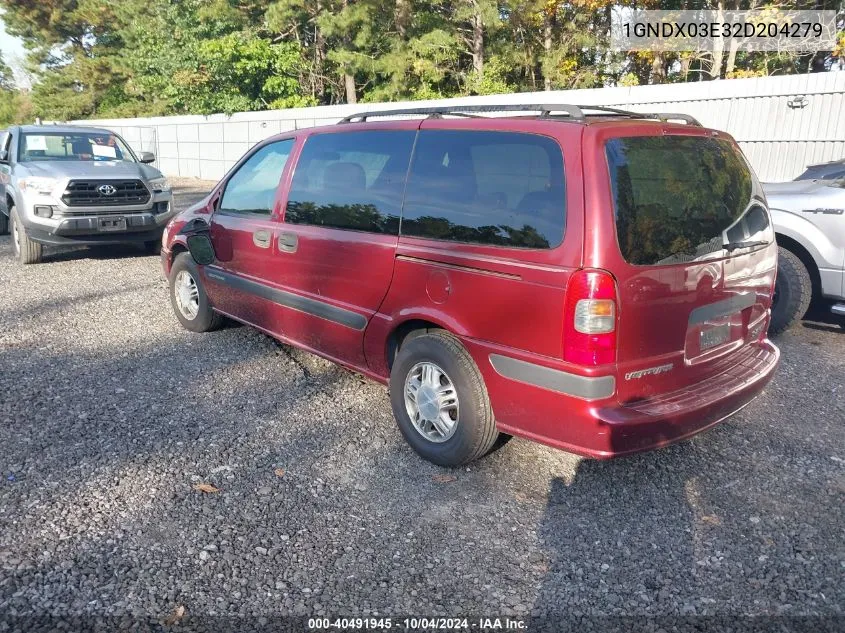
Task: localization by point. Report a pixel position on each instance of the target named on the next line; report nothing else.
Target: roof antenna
(38, 120)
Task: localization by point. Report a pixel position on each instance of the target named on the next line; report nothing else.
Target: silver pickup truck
(77, 185)
(809, 221)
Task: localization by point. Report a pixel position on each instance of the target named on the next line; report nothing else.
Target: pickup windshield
(86, 146)
(683, 198)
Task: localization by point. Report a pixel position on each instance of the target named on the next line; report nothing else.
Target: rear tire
(188, 297)
(472, 431)
(26, 251)
(793, 292)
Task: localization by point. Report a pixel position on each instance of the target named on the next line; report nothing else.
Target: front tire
(440, 402)
(26, 251)
(188, 296)
(793, 292)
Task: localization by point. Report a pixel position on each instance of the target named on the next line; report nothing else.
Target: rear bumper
(673, 417)
(604, 428)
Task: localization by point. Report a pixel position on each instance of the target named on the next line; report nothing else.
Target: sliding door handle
(261, 238)
(288, 242)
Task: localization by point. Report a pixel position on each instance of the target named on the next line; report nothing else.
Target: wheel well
(803, 254)
(10, 202)
(401, 333)
(174, 251)
(177, 248)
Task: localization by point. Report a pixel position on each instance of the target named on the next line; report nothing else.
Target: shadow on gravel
(108, 251)
(819, 317)
(65, 304)
(681, 538)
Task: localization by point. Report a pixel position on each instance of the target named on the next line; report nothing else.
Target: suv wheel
(793, 292)
(440, 402)
(188, 298)
(26, 251)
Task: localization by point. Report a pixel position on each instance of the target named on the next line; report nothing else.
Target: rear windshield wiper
(732, 246)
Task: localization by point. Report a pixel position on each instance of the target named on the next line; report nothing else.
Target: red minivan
(593, 279)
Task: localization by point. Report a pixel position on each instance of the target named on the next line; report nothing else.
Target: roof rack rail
(573, 112)
(661, 116)
(467, 110)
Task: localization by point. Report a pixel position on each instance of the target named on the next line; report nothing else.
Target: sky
(13, 52)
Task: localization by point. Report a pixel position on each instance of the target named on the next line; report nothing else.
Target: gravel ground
(110, 414)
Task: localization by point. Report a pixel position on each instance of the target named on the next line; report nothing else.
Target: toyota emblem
(107, 190)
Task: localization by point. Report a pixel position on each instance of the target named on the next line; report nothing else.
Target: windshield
(683, 198)
(40, 146)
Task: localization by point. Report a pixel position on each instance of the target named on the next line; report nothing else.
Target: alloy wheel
(431, 402)
(187, 295)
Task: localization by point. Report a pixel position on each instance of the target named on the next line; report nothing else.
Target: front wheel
(793, 292)
(26, 251)
(188, 297)
(440, 402)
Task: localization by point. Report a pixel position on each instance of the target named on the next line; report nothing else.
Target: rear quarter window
(682, 198)
(496, 188)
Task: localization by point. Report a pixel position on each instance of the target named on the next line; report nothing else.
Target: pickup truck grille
(86, 193)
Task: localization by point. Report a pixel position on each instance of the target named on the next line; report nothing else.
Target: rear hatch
(700, 259)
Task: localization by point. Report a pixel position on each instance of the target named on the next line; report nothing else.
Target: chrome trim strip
(563, 382)
(314, 307)
(723, 308)
(839, 309)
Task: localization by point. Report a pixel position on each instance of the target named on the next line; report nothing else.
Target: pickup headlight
(38, 184)
(159, 185)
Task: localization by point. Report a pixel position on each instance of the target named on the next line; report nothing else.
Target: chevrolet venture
(593, 279)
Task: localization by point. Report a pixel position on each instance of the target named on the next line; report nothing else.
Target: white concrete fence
(782, 123)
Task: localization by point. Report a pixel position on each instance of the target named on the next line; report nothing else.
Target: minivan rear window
(682, 198)
(496, 188)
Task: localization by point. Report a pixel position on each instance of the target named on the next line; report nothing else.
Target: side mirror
(201, 248)
(146, 157)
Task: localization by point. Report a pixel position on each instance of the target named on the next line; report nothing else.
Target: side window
(351, 180)
(499, 188)
(252, 189)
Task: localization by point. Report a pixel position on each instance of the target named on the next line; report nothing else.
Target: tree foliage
(112, 58)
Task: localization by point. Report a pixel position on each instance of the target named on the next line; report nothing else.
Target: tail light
(589, 333)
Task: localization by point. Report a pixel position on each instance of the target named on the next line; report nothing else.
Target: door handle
(288, 242)
(261, 239)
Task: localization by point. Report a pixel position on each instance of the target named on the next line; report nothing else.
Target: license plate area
(713, 336)
(114, 223)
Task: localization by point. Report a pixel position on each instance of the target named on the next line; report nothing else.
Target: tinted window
(681, 198)
(252, 189)
(498, 188)
(351, 180)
